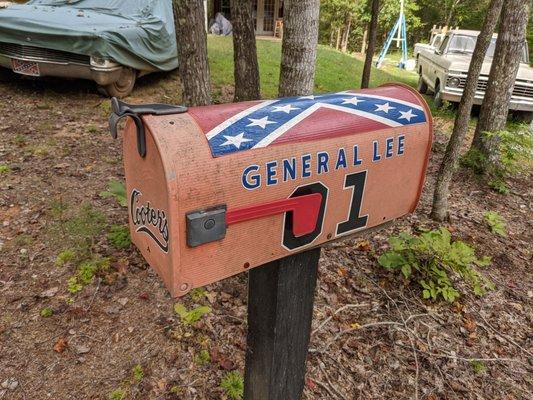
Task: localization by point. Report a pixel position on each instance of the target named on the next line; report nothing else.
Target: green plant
(189, 317)
(47, 312)
(4, 169)
(85, 274)
(499, 185)
(117, 394)
(119, 236)
(495, 222)
(430, 258)
(203, 357)
(117, 190)
(233, 384)
(197, 294)
(474, 160)
(138, 373)
(478, 366)
(65, 257)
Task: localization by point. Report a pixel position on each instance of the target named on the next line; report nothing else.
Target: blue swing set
(400, 29)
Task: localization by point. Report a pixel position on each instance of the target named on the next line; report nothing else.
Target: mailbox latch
(121, 110)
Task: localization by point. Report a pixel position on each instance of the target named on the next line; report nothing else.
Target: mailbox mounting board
(230, 187)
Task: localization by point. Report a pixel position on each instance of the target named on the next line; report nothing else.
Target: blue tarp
(136, 33)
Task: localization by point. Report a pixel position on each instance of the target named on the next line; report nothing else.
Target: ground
(373, 337)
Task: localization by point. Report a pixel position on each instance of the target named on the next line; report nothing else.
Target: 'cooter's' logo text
(147, 219)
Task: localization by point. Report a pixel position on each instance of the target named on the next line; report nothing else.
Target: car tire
(422, 86)
(437, 97)
(123, 86)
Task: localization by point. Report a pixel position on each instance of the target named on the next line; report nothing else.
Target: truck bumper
(516, 104)
(101, 75)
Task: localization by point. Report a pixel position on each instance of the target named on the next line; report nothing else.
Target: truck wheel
(422, 86)
(437, 97)
(122, 87)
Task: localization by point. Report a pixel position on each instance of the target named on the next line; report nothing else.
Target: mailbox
(216, 190)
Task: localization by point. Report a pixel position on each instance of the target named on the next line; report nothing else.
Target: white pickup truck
(443, 71)
(431, 46)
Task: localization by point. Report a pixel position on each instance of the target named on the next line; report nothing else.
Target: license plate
(25, 67)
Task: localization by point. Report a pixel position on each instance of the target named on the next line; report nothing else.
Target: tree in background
(244, 51)
(191, 37)
(439, 211)
(337, 17)
(503, 71)
(298, 53)
(372, 34)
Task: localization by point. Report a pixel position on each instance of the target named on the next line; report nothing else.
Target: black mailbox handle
(122, 110)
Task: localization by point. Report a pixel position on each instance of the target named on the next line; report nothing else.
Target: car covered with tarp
(109, 41)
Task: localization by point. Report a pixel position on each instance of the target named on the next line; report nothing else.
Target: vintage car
(443, 71)
(435, 42)
(109, 42)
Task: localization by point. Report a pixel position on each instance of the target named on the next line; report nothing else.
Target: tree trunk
(372, 34)
(331, 36)
(192, 51)
(495, 107)
(244, 51)
(298, 54)
(346, 35)
(338, 45)
(439, 211)
(363, 46)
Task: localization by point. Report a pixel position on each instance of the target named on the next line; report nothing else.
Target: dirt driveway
(119, 337)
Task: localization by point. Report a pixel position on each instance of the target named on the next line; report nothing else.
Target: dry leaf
(363, 245)
(60, 345)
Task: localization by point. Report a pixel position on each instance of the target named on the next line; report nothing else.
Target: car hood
(139, 37)
(461, 63)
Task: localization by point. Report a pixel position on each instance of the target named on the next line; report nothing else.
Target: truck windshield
(465, 44)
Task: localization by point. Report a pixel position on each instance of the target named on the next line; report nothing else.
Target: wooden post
(280, 311)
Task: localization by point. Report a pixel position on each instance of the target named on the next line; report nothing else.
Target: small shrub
(119, 236)
(117, 190)
(203, 357)
(499, 185)
(117, 394)
(495, 222)
(138, 373)
(233, 384)
(189, 317)
(85, 274)
(65, 257)
(430, 258)
(47, 312)
(479, 367)
(474, 160)
(197, 294)
(4, 169)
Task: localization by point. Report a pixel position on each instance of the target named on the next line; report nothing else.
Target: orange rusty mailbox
(216, 190)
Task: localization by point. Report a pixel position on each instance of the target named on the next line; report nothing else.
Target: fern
(496, 223)
(117, 190)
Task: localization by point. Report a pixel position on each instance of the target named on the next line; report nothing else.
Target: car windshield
(465, 44)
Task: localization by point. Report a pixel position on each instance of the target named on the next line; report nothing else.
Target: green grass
(335, 71)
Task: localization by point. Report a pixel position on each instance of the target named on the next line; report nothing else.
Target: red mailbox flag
(218, 189)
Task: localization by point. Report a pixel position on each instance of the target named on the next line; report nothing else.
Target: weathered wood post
(280, 311)
(259, 187)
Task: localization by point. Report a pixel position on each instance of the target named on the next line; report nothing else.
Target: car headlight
(454, 82)
(98, 61)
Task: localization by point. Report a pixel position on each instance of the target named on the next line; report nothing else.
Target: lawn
(335, 70)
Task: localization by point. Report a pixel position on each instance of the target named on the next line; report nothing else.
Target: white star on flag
(385, 107)
(262, 122)
(407, 115)
(310, 97)
(286, 109)
(235, 140)
(353, 100)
